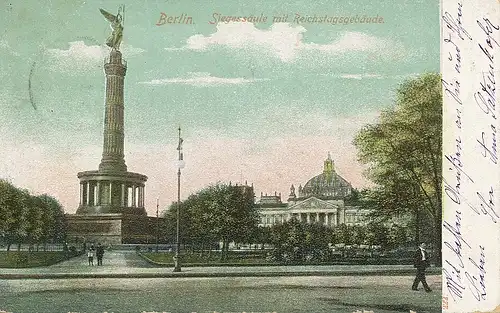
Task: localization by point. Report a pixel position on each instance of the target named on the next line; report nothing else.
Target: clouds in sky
(201, 79)
(5, 46)
(80, 57)
(286, 41)
(361, 76)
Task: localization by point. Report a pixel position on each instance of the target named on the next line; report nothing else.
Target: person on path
(99, 254)
(90, 255)
(421, 262)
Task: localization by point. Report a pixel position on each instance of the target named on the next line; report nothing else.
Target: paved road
(314, 293)
(241, 294)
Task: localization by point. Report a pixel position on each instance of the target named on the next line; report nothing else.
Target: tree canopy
(402, 151)
(218, 213)
(25, 218)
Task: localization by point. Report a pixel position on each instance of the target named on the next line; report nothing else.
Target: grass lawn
(23, 259)
(249, 258)
(195, 258)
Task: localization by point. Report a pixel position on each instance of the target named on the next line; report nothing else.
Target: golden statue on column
(116, 21)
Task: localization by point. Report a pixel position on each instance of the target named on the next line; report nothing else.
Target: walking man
(421, 262)
(99, 253)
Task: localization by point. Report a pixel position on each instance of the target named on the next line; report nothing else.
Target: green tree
(53, 220)
(21, 225)
(220, 212)
(232, 213)
(397, 236)
(10, 213)
(300, 242)
(403, 153)
(186, 233)
(203, 222)
(29, 219)
(262, 235)
(35, 212)
(377, 234)
(283, 242)
(359, 234)
(342, 234)
(317, 240)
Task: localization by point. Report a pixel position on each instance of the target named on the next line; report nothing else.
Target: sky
(259, 102)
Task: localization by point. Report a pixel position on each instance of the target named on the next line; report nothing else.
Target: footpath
(127, 264)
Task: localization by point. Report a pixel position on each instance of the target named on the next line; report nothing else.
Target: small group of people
(98, 252)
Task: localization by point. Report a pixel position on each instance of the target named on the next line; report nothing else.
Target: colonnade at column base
(111, 193)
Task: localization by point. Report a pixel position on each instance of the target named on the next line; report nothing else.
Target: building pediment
(313, 204)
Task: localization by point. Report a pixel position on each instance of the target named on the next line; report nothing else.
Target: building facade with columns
(321, 200)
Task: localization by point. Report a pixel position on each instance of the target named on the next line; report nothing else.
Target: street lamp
(180, 165)
(157, 222)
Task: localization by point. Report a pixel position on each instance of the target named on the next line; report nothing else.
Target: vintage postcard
(248, 156)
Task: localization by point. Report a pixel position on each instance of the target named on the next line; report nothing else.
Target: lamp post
(180, 165)
(157, 223)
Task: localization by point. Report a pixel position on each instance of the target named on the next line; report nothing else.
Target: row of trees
(298, 241)
(25, 218)
(224, 213)
(371, 234)
(218, 213)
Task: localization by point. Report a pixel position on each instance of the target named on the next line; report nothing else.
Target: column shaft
(133, 196)
(98, 202)
(122, 197)
(81, 194)
(113, 154)
(87, 195)
(141, 198)
(143, 195)
(110, 193)
(91, 193)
